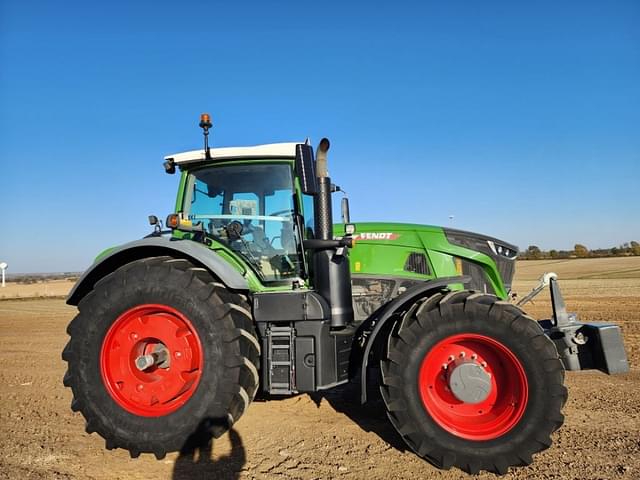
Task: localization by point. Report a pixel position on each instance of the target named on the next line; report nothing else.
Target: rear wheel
(472, 382)
(161, 357)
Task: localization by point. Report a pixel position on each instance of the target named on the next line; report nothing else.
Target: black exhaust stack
(323, 213)
(332, 275)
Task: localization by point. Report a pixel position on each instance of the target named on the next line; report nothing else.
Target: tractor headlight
(502, 250)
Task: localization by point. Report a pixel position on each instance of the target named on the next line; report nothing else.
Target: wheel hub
(473, 386)
(151, 360)
(159, 356)
(469, 382)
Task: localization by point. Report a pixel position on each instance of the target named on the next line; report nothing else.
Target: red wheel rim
(494, 416)
(159, 389)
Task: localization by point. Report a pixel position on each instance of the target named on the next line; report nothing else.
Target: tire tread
(431, 314)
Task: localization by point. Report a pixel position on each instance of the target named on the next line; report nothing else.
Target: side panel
(303, 356)
(385, 252)
(384, 249)
(300, 352)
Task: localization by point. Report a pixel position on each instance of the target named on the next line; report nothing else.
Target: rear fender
(152, 247)
(371, 328)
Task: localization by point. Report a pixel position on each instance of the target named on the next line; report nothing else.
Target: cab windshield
(250, 208)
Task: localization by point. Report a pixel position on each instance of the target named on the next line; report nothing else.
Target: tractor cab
(268, 208)
(249, 207)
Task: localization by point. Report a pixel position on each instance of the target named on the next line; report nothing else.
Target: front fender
(398, 304)
(153, 247)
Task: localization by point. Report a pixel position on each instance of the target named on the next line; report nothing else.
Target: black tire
(230, 356)
(440, 317)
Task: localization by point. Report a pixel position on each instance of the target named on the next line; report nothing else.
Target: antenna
(3, 267)
(205, 125)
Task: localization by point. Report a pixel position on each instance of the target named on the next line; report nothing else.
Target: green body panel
(181, 189)
(383, 248)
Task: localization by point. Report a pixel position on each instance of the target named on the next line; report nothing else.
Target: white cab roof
(271, 150)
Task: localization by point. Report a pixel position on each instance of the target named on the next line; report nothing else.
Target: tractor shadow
(370, 417)
(196, 462)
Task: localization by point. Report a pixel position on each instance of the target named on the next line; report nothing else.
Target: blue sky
(521, 119)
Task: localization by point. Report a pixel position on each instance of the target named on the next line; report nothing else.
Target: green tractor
(253, 287)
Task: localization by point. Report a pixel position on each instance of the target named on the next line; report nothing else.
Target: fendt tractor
(250, 286)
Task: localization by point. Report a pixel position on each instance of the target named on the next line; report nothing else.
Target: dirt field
(581, 269)
(48, 288)
(319, 436)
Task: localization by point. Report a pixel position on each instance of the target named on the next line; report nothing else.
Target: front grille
(507, 268)
(494, 248)
(479, 280)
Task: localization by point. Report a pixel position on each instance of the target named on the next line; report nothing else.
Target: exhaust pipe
(323, 213)
(321, 158)
(332, 275)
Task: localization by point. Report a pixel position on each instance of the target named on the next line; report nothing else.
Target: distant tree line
(581, 251)
(29, 279)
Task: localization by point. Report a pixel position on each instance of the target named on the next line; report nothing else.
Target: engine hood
(400, 233)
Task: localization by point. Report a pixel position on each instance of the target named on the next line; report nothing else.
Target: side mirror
(157, 224)
(305, 168)
(345, 210)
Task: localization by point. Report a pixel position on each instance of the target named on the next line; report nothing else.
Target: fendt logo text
(376, 236)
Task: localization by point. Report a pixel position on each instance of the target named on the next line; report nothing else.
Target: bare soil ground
(317, 436)
(581, 269)
(47, 288)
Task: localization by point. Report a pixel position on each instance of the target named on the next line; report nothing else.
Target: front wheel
(472, 382)
(161, 357)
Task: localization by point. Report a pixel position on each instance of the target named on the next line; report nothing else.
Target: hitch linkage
(584, 346)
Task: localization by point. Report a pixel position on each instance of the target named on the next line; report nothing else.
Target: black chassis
(302, 353)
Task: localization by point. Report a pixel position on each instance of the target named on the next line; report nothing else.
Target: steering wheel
(235, 230)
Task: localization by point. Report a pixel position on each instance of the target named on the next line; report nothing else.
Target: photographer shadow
(197, 463)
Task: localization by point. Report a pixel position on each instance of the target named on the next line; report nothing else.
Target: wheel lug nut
(483, 364)
(444, 366)
(177, 354)
(133, 336)
(474, 356)
(451, 358)
(139, 387)
(462, 354)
